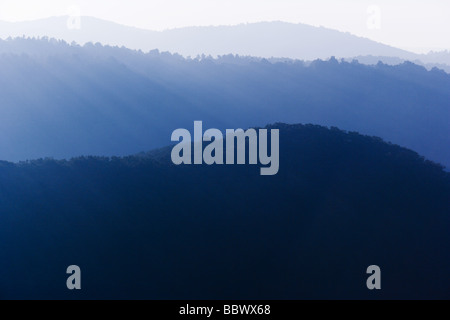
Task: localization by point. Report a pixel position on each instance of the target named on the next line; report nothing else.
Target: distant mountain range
(355, 185)
(140, 227)
(265, 39)
(63, 101)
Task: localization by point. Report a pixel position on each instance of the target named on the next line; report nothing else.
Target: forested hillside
(63, 101)
(141, 227)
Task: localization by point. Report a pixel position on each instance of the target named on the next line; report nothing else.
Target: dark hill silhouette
(140, 227)
(63, 101)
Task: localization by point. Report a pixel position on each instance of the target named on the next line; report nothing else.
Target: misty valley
(111, 185)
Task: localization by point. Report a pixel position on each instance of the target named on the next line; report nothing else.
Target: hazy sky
(416, 25)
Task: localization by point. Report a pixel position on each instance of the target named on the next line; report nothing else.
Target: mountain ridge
(114, 101)
(142, 228)
(275, 39)
(55, 27)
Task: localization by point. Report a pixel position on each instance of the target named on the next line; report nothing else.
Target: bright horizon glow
(413, 25)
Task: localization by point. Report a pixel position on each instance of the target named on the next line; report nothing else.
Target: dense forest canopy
(141, 227)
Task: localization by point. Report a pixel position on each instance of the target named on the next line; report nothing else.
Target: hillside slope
(140, 227)
(264, 39)
(62, 101)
